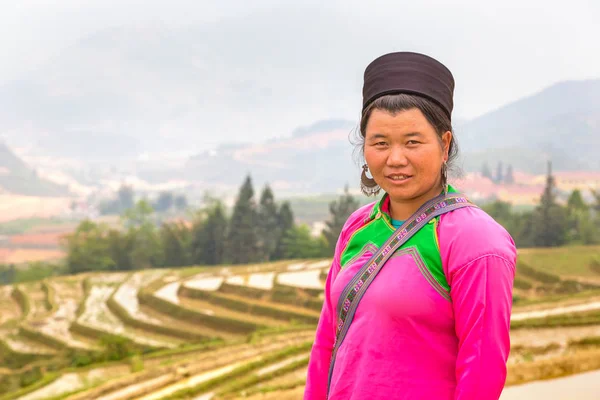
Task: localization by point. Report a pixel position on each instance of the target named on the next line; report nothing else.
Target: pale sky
(498, 51)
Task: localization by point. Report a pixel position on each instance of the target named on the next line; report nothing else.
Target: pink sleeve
(320, 356)
(479, 259)
(481, 293)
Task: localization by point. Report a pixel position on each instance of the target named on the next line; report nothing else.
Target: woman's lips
(398, 179)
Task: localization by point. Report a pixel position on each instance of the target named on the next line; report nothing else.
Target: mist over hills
(187, 104)
(561, 123)
(18, 177)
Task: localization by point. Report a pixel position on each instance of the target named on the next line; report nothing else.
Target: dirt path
(581, 387)
(556, 311)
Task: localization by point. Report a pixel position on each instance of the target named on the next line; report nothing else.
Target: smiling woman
(419, 294)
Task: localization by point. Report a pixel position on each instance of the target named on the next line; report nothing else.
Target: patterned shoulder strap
(358, 285)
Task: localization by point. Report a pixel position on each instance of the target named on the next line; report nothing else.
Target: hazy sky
(498, 50)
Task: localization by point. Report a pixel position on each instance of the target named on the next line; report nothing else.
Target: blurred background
(142, 141)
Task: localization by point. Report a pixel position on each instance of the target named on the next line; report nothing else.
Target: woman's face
(404, 154)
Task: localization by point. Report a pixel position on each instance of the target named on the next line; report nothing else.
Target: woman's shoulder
(469, 233)
(356, 220)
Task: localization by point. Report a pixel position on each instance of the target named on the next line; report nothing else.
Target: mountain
(18, 178)
(560, 123)
(127, 91)
(160, 102)
(314, 159)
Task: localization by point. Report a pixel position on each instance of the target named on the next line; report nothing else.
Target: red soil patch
(50, 238)
(17, 256)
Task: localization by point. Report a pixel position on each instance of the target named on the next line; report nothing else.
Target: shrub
(595, 265)
(537, 275)
(522, 284)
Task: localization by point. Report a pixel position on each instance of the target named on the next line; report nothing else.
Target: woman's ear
(446, 140)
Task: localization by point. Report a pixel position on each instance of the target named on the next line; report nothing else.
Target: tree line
(265, 230)
(255, 231)
(502, 175)
(551, 224)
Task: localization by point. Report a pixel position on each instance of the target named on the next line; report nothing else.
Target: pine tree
(285, 222)
(298, 243)
(486, 171)
(268, 224)
(509, 177)
(215, 235)
(164, 202)
(499, 173)
(549, 220)
(125, 198)
(581, 226)
(180, 202)
(242, 240)
(175, 238)
(142, 230)
(339, 211)
(88, 248)
(120, 249)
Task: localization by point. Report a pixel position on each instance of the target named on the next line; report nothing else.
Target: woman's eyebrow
(377, 136)
(405, 135)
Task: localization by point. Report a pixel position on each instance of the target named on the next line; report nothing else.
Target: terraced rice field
(232, 332)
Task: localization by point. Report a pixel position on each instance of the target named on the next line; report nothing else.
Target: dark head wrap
(411, 73)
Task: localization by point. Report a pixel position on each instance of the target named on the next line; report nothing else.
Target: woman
(419, 295)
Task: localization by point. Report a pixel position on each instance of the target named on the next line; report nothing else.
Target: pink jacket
(409, 341)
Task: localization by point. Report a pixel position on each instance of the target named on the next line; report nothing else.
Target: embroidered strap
(358, 285)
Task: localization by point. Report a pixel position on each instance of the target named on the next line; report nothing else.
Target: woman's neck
(402, 209)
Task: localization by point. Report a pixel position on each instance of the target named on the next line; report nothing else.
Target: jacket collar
(382, 207)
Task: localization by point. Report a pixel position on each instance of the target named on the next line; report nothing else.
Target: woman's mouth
(398, 178)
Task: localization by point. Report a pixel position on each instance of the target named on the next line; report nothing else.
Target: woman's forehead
(405, 123)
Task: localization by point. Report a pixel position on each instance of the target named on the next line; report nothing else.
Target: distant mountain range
(126, 93)
(561, 123)
(17, 177)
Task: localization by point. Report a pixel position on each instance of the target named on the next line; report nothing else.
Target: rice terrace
(245, 331)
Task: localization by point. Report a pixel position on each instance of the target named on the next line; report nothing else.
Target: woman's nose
(397, 157)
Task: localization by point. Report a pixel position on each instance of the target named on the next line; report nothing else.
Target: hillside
(227, 332)
(18, 178)
(561, 122)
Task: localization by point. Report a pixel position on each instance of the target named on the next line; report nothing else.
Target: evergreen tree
(242, 240)
(499, 173)
(582, 228)
(175, 238)
(146, 251)
(596, 205)
(576, 203)
(88, 249)
(549, 220)
(180, 202)
(268, 224)
(209, 236)
(298, 243)
(339, 211)
(164, 202)
(125, 198)
(120, 248)
(509, 177)
(285, 222)
(486, 171)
